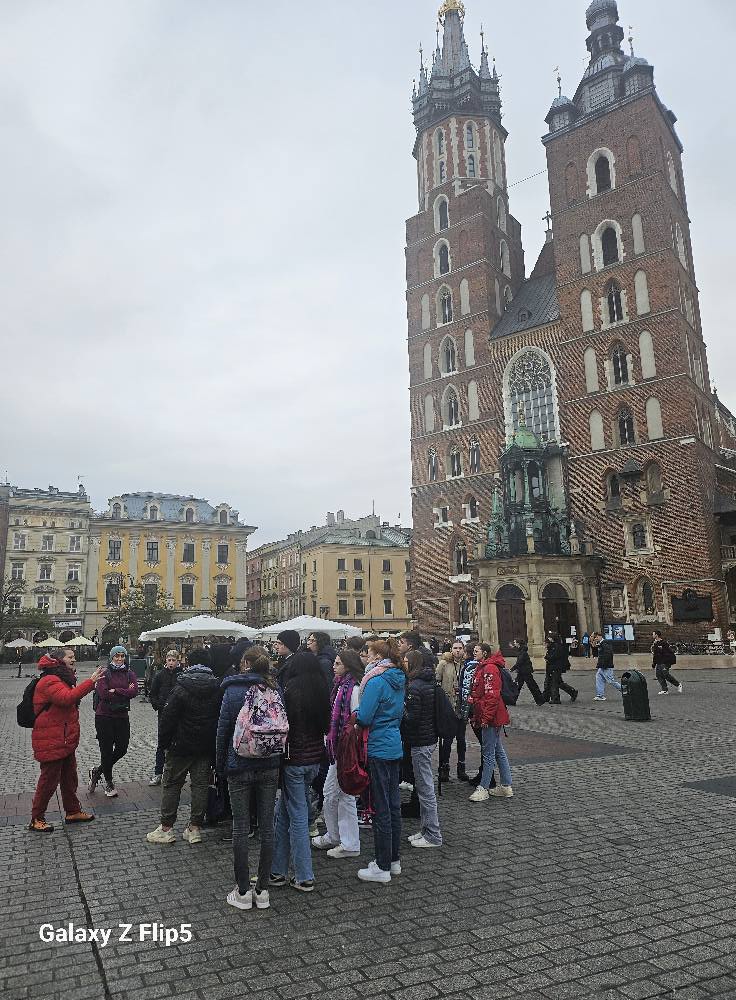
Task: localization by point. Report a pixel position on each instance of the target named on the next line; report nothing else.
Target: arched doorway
(560, 611)
(510, 617)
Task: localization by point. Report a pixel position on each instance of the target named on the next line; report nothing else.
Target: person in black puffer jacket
(420, 734)
(187, 730)
(524, 670)
(161, 687)
(557, 658)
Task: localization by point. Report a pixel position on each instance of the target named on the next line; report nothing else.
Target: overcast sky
(201, 248)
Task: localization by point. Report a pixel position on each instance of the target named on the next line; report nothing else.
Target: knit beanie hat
(290, 638)
(118, 649)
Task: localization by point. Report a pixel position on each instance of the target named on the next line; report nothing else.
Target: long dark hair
(352, 663)
(307, 695)
(416, 663)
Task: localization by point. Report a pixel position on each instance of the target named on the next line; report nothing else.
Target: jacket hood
(496, 659)
(46, 662)
(395, 677)
(329, 651)
(198, 679)
(241, 680)
(425, 674)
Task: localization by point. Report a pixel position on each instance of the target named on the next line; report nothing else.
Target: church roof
(535, 305)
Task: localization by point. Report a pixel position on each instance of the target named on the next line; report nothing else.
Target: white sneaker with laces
(322, 843)
(340, 852)
(599, 698)
(479, 795)
(423, 842)
(373, 874)
(244, 902)
(155, 780)
(192, 834)
(679, 688)
(662, 692)
(502, 792)
(110, 791)
(161, 836)
(261, 899)
(406, 786)
(414, 836)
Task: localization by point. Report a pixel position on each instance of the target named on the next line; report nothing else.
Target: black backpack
(24, 713)
(445, 720)
(509, 687)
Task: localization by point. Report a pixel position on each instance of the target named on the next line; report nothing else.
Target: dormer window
(116, 510)
(189, 515)
(153, 513)
(223, 517)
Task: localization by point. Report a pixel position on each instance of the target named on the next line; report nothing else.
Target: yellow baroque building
(194, 551)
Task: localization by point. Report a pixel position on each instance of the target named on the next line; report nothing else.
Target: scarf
(375, 671)
(341, 695)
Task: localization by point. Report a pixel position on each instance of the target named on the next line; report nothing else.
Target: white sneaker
(414, 836)
(155, 780)
(406, 786)
(161, 836)
(373, 873)
(341, 852)
(192, 834)
(599, 698)
(244, 902)
(110, 791)
(422, 842)
(479, 795)
(396, 868)
(322, 843)
(662, 692)
(502, 792)
(261, 899)
(679, 688)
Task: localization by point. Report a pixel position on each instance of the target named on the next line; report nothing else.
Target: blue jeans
(493, 751)
(386, 801)
(603, 676)
(291, 826)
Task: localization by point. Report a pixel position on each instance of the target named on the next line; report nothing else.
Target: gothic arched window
(504, 259)
(440, 137)
(448, 356)
(471, 165)
(445, 306)
(620, 365)
(648, 604)
(626, 427)
(442, 172)
(602, 174)
(614, 486)
(469, 137)
(443, 214)
(614, 303)
(444, 258)
(451, 408)
(474, 456)
(531, 392)
(432, 465)
(461, 559)
(609, 246)
(456, 467)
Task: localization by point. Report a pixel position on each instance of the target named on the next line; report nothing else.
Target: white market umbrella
(304, 624)
(80, 640)
(201, 625)
(48, 643)
(19, 644)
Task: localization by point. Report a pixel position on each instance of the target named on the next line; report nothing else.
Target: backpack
(25, 715)
(352, 758)
(262, 727)
(509, 687)
(445, 720)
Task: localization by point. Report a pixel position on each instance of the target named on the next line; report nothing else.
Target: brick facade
(641, 429)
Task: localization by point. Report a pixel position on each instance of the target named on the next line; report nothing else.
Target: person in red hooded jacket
(55, 737)
(491, 715)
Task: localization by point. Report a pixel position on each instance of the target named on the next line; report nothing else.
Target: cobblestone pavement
(609, 876)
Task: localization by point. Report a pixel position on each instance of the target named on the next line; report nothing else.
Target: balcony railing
(728, 553)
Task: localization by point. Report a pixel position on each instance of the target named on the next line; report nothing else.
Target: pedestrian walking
(491, 715)
(380, 711)
(187, 729)
(420, 733)
(558, 663)
(342, 836)
(307, 700)
(113, 694)
(524, 670)
(247, 778)
(55, 737)
(448, 674)
(586, 645)
(604, 673)
(161, 687)
(663, 657)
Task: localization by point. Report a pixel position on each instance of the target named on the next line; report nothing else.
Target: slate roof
(535, 305)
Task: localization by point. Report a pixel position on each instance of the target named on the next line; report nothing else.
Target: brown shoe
(80, 817)
(40, 826)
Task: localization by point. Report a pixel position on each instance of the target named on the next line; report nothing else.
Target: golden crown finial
(450, 5)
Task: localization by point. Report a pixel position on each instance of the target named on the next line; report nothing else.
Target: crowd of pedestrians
(263, 729)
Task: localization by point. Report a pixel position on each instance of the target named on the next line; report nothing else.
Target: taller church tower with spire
(565, 439)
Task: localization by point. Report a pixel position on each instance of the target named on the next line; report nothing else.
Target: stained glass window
(531, 394)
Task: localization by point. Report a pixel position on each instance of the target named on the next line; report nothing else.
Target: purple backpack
(262, 727)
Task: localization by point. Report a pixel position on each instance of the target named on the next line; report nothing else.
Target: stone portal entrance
(559, 610)
(511, 617)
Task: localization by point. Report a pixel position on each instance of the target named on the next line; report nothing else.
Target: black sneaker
(307, 886)
(227, 837)
(573, 698)
(277, 880)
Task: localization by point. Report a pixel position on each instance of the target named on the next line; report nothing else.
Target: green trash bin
(635, 696)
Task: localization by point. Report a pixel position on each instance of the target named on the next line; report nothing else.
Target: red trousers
(55, 773)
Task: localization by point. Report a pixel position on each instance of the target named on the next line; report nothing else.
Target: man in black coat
(187, 730)
(524, 670)
(558, 662)
(161, 687)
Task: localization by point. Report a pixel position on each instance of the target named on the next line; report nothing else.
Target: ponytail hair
(387, 649)
(255, 660)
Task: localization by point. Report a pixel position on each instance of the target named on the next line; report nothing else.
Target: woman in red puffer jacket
(491, 715)
(55, 737)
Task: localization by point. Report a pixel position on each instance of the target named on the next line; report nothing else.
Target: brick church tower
(464, 262)
(565, 439)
